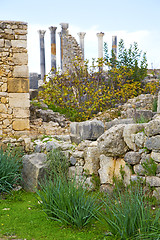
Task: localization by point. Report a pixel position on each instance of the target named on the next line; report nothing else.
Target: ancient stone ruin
(14, 83)
(93, 148)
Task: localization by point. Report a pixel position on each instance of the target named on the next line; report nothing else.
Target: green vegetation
(82, 93)
(57, 163)
(10, 164)
(67, 201)
(129, 216)
(25, 220)
(150, 167)
(154, 106)
(142, 119)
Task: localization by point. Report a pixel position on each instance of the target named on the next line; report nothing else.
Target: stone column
(53, 47)
(100, 44)
(64, 27)
(42, 54)
(81, 41)
(61, 49)
(114, 45)
(63, 42)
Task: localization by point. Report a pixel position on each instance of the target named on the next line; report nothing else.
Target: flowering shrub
(88, 90)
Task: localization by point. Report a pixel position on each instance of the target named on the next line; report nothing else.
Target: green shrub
(9, 169)
(150, 167)
(154, 105)
(142, 119)
(67, 201)
(57, 163)
(129, 216)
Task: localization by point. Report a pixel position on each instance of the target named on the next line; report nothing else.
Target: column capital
(81, 35)
(52, 29)
(100, 35)
(64, 26)
(41, 33)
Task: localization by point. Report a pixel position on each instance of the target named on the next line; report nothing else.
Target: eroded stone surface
(111, 143)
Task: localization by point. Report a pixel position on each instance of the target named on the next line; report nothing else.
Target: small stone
(132, 158)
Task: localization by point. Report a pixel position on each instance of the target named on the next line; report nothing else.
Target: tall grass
(129, 216)
(9, 169)
(67, 201)
(57, 163)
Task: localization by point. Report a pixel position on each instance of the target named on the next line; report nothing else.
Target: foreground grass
(20, 216)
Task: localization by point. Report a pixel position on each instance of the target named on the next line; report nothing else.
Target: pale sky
(132, 20)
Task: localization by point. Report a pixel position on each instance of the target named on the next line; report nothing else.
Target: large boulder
(88, 130)
(111, 143)
(34, 169)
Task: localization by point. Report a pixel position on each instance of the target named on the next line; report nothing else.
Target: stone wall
(14, 82)
(71, 51)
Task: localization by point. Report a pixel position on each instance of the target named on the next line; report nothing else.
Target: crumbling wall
(14, 82)
(71, 51)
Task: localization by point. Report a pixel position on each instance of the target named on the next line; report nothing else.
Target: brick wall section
(71, 51)
(14, 79)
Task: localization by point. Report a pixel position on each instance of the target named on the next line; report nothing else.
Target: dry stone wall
(14, 82)
(71, 52)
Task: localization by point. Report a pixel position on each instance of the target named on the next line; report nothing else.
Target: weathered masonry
(14, 82)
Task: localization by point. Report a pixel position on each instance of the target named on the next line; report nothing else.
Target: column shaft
(42, 54)
(53, 47)
(114, 45)
(100, 44)
(81, 41)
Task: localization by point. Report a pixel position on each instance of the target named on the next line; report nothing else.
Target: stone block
(21, 124)
(140, 139)
(132, 158)
(139, 170)
(120, 165)
(155, 156)
(117, 121)
(153, 181)
(19, 43)
(91, 158)
(156, 193)
(33, 171)
(4, 87)
(152, 128)
(129, 131)
(20, 58)
(88, 130)
(111, 143)
(153, 143)
(1, 43)
(21, 71)
(21, 113)
(19, 100)
(18, 85)
(4, 100)
(106, 171)
(3, 108)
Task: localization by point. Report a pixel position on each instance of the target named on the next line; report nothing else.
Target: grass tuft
(67, 201)
(128, 216)
(9, 170)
